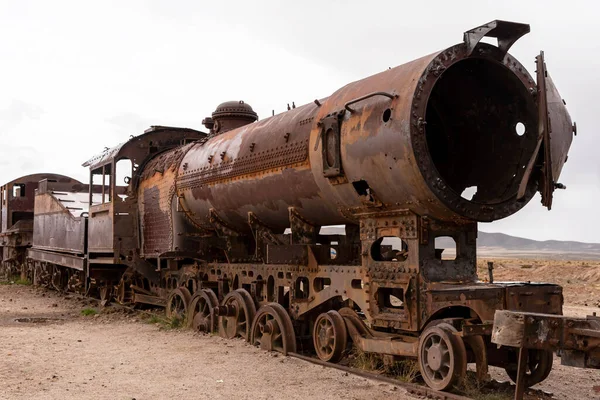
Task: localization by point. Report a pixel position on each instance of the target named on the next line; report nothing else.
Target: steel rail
(411, 388)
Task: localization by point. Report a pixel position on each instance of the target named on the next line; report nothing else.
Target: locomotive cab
(113, 228)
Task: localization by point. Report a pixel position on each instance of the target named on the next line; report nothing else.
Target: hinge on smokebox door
(330, 138)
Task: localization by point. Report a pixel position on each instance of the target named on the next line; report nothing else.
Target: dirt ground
(120, 356)
(580, 279)
(117, 356)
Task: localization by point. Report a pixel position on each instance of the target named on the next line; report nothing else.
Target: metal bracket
(303, 231)
(367, 96)
(222, 228)
(263, 236)
(506, 32)
(331, 138)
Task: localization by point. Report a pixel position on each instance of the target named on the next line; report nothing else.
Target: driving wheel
(236, 314)
(177, 303)
(201, 316)
(272, 329)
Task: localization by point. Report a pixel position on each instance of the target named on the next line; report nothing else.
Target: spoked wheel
(442, 357)
(236, 314)
(123, 292)
(201, 316)
(330, 336)
(177, 303)
(539, 365)
(272, 329)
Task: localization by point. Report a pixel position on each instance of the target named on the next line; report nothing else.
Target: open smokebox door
(555, 134)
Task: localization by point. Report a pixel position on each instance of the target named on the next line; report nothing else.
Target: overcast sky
(78, 76)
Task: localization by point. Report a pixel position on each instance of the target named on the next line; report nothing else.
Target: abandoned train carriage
(198, 222)
(16, 217)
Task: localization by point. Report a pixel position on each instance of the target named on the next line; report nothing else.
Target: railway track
(411, 388)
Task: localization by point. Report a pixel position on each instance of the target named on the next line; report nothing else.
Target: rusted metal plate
(65, 260)
(579, 338)
(506, 32)
(155, 193)
(287, 154)
(154, 138)
(531, 297)
(555, 134)
(101, 233)
(557, 130)
(59, 221)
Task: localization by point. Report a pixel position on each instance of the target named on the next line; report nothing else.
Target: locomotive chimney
(230, 115)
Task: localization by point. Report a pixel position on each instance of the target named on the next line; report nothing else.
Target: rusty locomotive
(232, 228)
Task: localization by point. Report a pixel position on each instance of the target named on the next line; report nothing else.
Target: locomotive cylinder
(415, 137)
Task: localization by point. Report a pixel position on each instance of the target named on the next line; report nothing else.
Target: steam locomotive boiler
(233, 228)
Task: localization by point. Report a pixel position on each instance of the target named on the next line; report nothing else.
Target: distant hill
(508, 242)
(500, 245)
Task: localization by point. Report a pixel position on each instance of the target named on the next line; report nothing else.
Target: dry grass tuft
(406, 370)
(163, 322)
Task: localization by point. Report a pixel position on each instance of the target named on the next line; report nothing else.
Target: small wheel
(539, 365)
(236, 314)
(442, 357)
(76, 282)
(201, 316)
(123, 292)
(59, 278)
(105, 293)
(272, 329)
(43, 275)
(330, 336)
(177, 303)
